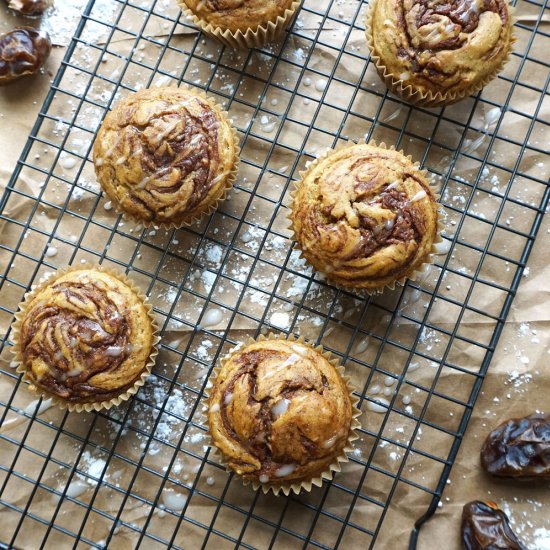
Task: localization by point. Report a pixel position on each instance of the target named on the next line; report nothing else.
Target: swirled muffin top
(279, 412)
(85, 337)
(364, 216)
(165, 155)
(441, 46)
(235, 15)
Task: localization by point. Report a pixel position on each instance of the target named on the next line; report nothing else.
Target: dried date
(519, 448)
(30, 7)
(23, 51)
(486, 527)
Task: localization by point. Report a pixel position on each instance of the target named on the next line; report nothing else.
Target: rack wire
(102, 479)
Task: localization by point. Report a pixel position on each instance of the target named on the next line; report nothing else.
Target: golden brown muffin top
(235, 15)
(441, 46)
(279, 412)
(85, 337)
(165, 155)
(365, 216)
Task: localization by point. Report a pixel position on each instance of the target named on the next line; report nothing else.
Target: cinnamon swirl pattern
(435, 53)
(281, 415)
(241, 23)
(85, 337)
(365, 216)
(165, 156)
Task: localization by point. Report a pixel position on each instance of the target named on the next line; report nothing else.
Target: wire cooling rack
(142, 475)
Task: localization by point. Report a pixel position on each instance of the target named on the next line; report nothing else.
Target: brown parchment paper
(517, 384)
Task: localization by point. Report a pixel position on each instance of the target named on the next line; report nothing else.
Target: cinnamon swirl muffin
(166, 156)
(365, 216)
(435, 53)
(85, 337)
(241, 23)
(280, 414)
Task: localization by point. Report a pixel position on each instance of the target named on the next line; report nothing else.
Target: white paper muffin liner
(335, 466)
(252, 37)
(90, 406)
(210, 208)
(402, 280)
(426, 98)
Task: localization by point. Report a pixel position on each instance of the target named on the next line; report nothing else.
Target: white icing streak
(285, 470)
(31, 408)
(173, 501)
(289, 361)
(329, 443)
(113, 351)
(443, 247)
(419, 196)
(280, 408)
(76, 488)
(212, 317)
(170, 128)
(380, 406)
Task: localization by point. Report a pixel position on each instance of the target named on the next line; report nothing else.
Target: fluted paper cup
(251, 37)
(413, 274)
(87, 406)
(214, 203)
(425, 98)
(290, 486)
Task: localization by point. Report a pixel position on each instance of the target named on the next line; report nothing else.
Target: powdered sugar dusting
(529, 521)
(175, 413)
(61, 19)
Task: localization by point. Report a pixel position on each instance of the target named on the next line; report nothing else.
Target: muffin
(241, 23)
(434, 53)
(365, 216)
(165, 156)
(85, 338)
(280, 413)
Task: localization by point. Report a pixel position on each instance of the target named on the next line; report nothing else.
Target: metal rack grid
(418, 339)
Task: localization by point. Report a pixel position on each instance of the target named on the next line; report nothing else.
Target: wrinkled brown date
(519, 448)
(485, 527)
(22, 52)
(30, 7)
